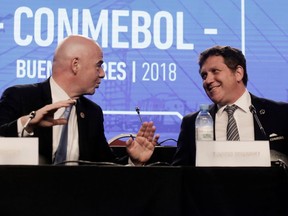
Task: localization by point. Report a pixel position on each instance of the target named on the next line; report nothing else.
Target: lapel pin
(262, 111)
(82, 115)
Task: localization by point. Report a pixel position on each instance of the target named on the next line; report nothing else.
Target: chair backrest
(162, 154)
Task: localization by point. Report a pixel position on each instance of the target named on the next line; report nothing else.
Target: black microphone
(279, 159)
(31, 116)
(253, 111)
(138, 112)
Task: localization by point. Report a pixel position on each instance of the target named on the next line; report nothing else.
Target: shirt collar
(243, 103)
(57, 92)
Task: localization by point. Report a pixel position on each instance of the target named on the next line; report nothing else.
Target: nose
(209, 78)
(101, 73)
(208, 81)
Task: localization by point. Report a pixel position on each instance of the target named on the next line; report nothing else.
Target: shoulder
(20, 88)
(269, 105)
(189, 118)
(268, 102)
(29, 93)
(26, 88)
(89, 104)
(193, 115)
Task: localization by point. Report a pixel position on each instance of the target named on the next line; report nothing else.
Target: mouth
(212, 88)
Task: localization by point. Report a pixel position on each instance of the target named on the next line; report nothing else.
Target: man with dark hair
(224, 75)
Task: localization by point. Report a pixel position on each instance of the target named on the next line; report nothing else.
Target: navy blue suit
(273, 116)
(20, 100)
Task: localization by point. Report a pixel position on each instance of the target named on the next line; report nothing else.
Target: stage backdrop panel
(150, 49)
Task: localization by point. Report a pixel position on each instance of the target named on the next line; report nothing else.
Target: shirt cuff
(20, 128)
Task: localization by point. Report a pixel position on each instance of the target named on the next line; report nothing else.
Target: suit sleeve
(10, 111)
(186, 146)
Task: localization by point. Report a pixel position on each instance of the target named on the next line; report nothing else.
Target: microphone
(31, 116)
(138, 112)
(253, 111)
(279, 159)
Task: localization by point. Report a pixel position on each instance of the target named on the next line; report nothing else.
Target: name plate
(233, 153)
(19, 151)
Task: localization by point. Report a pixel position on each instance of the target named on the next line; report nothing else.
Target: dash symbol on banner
(210, 31)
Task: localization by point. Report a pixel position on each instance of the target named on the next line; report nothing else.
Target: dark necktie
(232, 130)
(61, 152)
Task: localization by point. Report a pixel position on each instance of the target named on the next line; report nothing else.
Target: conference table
(150, 190)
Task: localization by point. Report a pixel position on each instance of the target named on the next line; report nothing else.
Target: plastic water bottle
(204, 124)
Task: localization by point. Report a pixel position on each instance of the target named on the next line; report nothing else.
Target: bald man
(76, 71)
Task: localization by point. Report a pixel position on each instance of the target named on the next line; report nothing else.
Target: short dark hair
(233, 57)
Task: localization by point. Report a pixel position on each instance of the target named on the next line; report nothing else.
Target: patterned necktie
(61, 152)
(232, 130)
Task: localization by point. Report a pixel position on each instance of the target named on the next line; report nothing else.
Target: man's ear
(75, 65)
(239, 73)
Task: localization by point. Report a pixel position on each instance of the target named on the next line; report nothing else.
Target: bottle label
(204, 133)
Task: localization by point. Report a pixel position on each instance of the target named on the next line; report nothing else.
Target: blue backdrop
(150, 49)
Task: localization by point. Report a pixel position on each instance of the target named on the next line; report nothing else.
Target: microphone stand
(138, 112)
(31, 116)
(253, 111)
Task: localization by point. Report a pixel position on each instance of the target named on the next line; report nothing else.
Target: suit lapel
(260, 111)
(213, 110)
(82, 126)
(46, 92)
(46, 133)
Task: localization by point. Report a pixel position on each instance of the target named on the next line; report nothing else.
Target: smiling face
(222, 84)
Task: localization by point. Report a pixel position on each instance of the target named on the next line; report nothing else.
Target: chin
(90, 92)
(215, 100)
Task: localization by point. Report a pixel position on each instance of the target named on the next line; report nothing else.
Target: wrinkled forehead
(213, 61)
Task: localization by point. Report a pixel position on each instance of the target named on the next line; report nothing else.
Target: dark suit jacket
(20, 100)
(273, 116)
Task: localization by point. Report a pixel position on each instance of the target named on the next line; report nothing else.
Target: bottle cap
(204, 106)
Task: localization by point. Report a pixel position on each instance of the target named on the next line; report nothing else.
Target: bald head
(71, 47)
(73, 59)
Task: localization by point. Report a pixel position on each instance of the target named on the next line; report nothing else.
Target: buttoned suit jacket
(272, 115)
(20, 100)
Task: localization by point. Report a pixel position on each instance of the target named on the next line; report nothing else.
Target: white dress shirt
(243, 117)
(59, 94)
